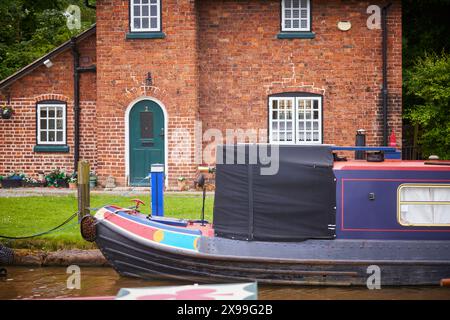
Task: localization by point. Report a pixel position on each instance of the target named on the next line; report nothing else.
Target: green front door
(146, 140)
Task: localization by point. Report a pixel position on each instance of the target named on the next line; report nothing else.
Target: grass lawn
(29, 215)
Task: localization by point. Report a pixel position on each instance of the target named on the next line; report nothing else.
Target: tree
(425, 32)
(428, 85)
(31, 28)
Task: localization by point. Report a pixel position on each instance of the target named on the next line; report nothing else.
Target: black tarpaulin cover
(296, 203)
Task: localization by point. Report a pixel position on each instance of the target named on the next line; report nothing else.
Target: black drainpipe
(76, 100)
(384, 90)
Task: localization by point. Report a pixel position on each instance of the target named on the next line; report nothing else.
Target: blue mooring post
(157, 176)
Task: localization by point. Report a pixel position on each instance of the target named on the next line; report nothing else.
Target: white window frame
(295, 119)
(284, 18)
(431, 205)
(132, 16)
(40, 106)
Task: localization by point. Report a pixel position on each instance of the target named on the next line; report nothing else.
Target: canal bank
(59, 258)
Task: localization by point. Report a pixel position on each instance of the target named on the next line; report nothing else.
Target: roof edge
(38, 62)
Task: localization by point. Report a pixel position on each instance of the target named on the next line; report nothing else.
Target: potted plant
(92, 179)
(58, 179)
(73, 181)
(13, 180)
(7, 112)
(31, 182)
(182, 183)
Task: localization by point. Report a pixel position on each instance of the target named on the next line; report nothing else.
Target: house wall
(242, 62)
(18, 134)
(123, 65)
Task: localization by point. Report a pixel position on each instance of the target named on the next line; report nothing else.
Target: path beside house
(124, 191)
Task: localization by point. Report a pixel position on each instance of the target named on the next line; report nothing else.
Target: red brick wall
(242, 62)
(18, 134)
(123, 65)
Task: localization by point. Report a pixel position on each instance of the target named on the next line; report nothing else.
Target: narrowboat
(312, 221)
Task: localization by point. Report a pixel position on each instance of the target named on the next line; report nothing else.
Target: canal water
(51, 282)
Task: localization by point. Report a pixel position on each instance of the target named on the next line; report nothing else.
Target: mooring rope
(42, 233)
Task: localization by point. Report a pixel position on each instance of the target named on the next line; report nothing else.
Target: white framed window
(51, 124)
(145, 15)
(295, 15)
(423, 205)
(295, 119)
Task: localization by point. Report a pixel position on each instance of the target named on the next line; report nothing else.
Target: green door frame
(128, 148)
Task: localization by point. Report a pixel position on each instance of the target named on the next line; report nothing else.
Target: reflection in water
(41, 283)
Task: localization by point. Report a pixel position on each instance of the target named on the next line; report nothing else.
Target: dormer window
(145, 15)
(296, 15)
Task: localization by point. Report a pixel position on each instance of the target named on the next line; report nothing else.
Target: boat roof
(408, 165)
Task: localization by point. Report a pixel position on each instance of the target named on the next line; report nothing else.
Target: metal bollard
(157, 180)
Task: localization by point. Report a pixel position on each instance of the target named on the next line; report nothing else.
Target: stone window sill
(145, 35)
(51, 149)
(296, 35)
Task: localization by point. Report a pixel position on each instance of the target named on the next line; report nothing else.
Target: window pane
(304, 3)
(43, 112)
(51, 123)
(274, 104)
(282, 136)
(301, 136)
(441, 194)
(43, 136)
(59, 136)
(282, 126)
(316, 115)
(59, 112)
(43, 123)
(303, 24)
(316, 136)
(153, 1)
(275, 136)
(145, 23)
(274, 115)
(145, 11)
(59, 124)
(296, 14)
(137, 1)
(308, 136)
(274, 125)
(289, 136)
(287, 13)
(153, 11)
(51, 112)
(137, 11)
(51, 136)
(296, 3)
(316, 125)
(137, 23)
(153, 23)
(304, 14)
(295, 24)
(287, 23)
(316, 104)
(288, 3)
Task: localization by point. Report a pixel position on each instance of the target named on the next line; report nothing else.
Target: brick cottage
(132, 90)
